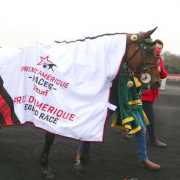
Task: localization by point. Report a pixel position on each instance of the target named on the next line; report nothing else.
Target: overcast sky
(24, 22)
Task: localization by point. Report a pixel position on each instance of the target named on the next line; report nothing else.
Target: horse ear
(148, 33)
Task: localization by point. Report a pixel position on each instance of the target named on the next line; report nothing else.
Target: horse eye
(150, 51)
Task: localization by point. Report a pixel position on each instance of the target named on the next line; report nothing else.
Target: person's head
(159, 45)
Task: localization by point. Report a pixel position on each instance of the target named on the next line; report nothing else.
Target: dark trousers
(149, 110)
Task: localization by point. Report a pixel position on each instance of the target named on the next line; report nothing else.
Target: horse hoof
(47, 174)
(79, 168)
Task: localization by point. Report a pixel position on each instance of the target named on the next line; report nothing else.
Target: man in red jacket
(150, 96)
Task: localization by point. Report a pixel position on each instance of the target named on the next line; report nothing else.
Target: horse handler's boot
(148, 164)
(158, 143)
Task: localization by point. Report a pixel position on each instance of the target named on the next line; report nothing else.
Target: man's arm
(163, 72)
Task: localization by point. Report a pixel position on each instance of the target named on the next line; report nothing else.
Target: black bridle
(143, 45)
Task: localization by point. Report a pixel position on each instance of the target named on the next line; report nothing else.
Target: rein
(143, 46)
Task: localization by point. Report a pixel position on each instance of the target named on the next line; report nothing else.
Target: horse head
(141, 60)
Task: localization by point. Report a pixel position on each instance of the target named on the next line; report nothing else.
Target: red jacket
(152, 95)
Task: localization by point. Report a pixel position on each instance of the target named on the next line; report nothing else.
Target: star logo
(46, 63)
(44, 60)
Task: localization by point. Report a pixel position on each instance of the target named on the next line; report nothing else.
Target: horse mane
(91, 38)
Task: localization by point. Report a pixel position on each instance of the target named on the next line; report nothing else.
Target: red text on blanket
(51, 109)
(20, 99)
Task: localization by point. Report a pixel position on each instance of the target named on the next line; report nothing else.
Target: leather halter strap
(143, 46)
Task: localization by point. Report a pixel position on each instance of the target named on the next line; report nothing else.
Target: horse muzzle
(156, 85)
(149, 83)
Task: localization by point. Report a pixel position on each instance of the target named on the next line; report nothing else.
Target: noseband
(143, 45)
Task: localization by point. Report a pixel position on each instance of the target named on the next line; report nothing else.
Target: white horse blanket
(63, 87)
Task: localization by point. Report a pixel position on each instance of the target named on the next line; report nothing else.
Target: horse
(141, 62)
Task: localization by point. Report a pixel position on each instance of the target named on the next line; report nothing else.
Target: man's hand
(159, 69)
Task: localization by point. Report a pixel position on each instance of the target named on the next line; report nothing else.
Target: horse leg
(46, 171)
(82, 157)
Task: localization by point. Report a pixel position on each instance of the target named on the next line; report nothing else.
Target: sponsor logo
(46, 63)
(44, 81)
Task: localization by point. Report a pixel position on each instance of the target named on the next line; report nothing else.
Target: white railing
(173, 77)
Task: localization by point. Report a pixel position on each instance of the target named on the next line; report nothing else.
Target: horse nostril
(156, 85)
